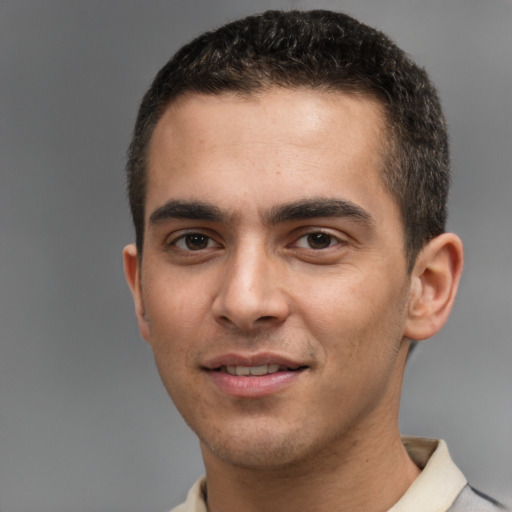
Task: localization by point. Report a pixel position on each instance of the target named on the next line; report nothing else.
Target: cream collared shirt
(434, 490)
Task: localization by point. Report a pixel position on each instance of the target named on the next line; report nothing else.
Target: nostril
(267, 321)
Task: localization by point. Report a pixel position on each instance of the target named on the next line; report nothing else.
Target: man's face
(272, 248)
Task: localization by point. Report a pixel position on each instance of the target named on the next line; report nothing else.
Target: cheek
(339, 304)
(173, 304)
(176, 329)
(356, 320)
(173, 322)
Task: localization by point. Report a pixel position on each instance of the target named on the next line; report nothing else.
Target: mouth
(253, 376)
(257, 371)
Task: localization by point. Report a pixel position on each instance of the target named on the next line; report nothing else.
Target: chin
(263, 450)
(263, 456)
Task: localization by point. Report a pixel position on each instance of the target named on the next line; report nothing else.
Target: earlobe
(132, 274)
(434, 282)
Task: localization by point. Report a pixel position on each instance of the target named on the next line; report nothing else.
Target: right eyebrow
(194, 210)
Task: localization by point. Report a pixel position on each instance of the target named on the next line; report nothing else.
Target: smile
(255, 379)
(260, 370)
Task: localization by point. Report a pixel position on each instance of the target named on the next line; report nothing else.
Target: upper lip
(260, 359)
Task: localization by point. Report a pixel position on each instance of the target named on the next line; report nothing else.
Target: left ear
(434, 282)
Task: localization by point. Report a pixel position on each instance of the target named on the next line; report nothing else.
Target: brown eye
(319, 240)
(196, 241)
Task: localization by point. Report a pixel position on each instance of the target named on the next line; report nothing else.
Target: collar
(438, 484)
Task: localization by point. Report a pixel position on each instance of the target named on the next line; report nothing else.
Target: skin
(249, 279)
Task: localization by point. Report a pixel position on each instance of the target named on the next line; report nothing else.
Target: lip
(253, 386)
(233, 359)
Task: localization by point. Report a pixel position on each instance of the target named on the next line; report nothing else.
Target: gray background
(85, 424)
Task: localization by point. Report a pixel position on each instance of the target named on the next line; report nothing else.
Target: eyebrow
(303, 209)
(194, 210)
(318, 207)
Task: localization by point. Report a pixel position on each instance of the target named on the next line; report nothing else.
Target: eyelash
(189, 236)
(324, 239)
(332, 240)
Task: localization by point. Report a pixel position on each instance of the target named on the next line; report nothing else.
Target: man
(288, 178)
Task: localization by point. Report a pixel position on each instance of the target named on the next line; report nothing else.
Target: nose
(250, 295)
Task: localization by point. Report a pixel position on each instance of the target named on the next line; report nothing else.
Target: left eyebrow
(317, 207)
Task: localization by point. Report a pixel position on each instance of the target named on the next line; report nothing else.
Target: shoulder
(472, 500)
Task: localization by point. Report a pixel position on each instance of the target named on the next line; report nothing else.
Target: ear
(434, 282)
(132, 274)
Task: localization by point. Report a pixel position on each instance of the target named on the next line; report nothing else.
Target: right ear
(132, 274)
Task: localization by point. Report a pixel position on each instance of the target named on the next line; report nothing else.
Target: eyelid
(337, 237)
(172, 240)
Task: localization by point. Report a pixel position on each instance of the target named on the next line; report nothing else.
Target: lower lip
(252, 386)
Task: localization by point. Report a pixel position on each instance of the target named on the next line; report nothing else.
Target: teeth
(264, 369)
(243, 370)
(258, 370)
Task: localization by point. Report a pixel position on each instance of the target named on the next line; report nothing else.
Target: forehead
(304, 115)
(290, 142)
